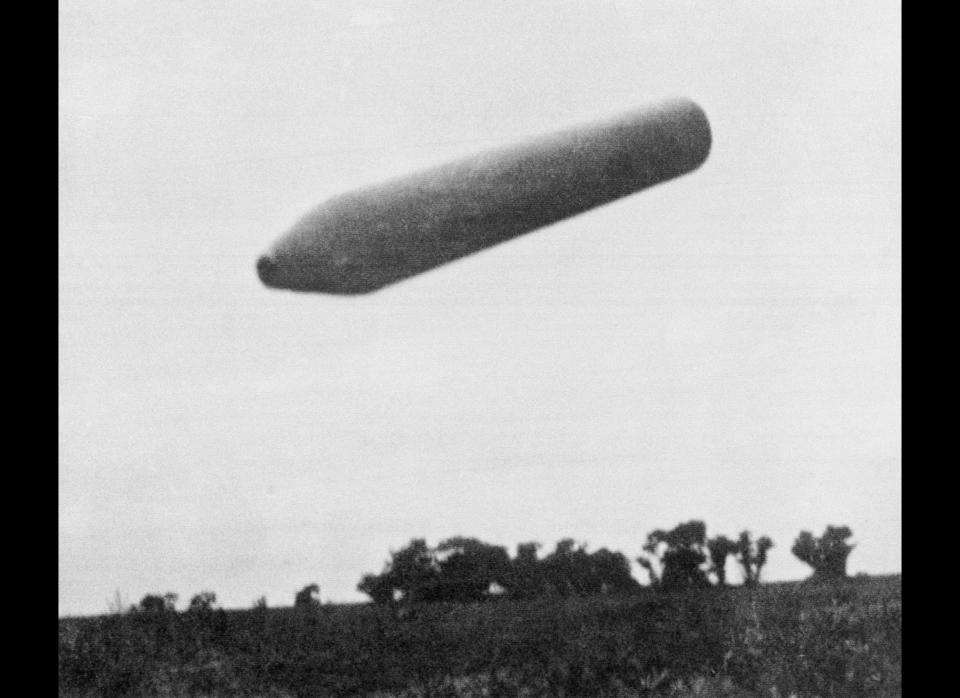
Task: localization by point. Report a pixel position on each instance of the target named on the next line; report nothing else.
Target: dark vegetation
(828, 554)
(467, 570)
(305, 598)
(465, 619)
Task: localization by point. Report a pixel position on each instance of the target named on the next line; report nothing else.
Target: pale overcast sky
(725, 346)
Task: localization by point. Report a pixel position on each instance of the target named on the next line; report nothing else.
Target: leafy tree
(468, 567)
(566, 569)
(527, 552)
(458, 569)
(681, 552)
(208, 623)
(203, 602)
(752, 556)
(154, 603)
(571, 570)
(526, 579)
(414, 572)
(261, 603)
(612, 571)
(828, 554)
(719, 548)
(467, 570)
(305, 597)
(378, 587)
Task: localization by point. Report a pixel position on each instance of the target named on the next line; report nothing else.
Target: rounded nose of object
(265, 269)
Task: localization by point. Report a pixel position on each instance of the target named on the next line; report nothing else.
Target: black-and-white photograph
(413, 349)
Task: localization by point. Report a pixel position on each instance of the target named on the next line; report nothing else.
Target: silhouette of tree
(719, 548)
(468, 567)
(305, 597)
(203, 602)
(208, 623)
(612, 572)
(411, 576)
(752, 556)
(563, 568)
(828, 554)
(378, 587)
(681, 552)
(571, 570)
(467, 570)
(526, 579)
(154, 603)
(414, 572)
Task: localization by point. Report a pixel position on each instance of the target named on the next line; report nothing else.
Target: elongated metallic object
(363, 240)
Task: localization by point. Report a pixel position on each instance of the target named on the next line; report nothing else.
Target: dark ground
(780, 640)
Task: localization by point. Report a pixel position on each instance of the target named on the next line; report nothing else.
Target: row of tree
(201, 603)
(685, 558)
(466, 569)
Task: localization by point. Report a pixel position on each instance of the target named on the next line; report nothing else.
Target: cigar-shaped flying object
(363, 240)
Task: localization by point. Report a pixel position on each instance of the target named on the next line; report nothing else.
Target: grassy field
(779, 640)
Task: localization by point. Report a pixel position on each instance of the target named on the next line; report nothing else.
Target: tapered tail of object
(366, 239)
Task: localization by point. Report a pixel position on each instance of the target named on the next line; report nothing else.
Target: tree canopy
(828, 554)
(676, 557)
(468, 570)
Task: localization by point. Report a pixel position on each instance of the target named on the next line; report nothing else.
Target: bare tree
(752, 556)
(720, 548)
